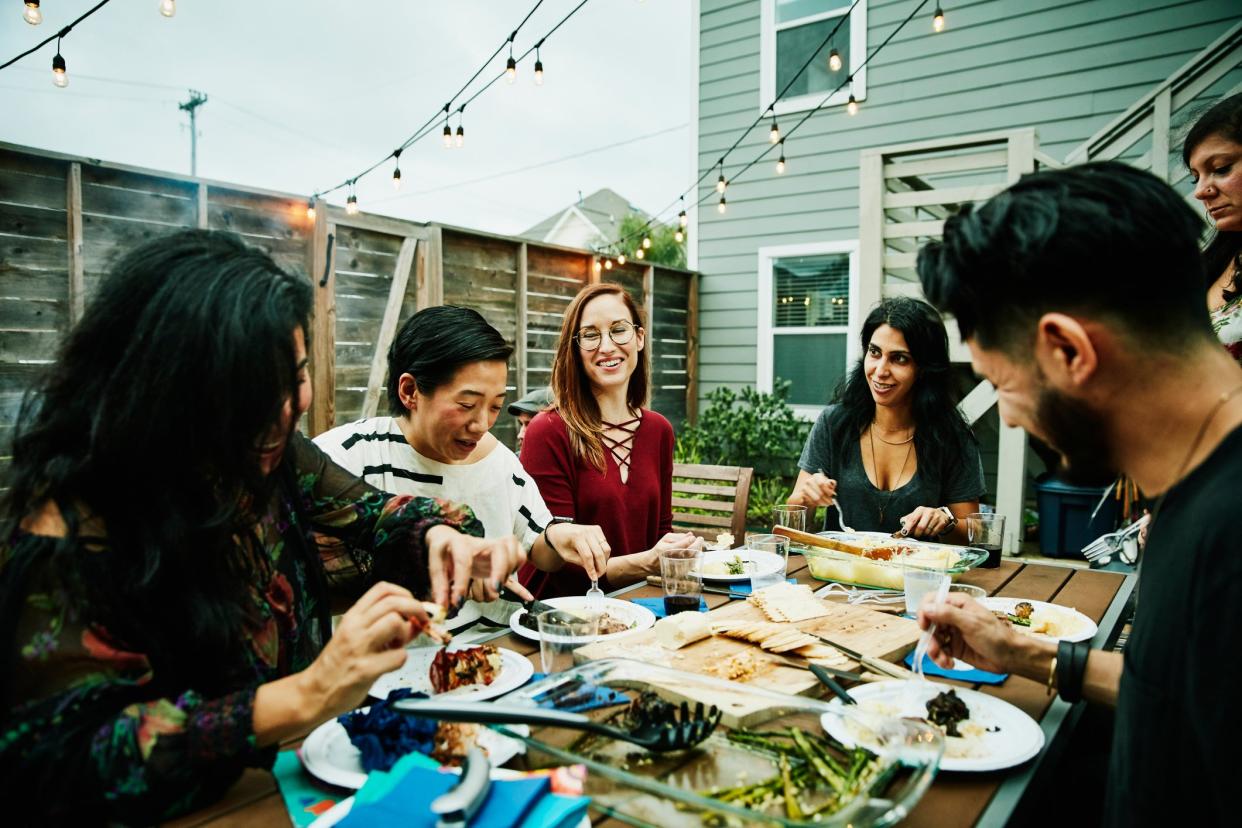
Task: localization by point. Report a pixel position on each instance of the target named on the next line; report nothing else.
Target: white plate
(1084, 631)
(640, 617)
(515, 670)
(1018, 739)
(768, 563)
(329, 756)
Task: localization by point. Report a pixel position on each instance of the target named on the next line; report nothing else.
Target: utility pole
(191, 106)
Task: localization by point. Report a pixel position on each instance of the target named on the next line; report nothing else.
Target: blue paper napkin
(409, 802)
(973, 675)
(587, 697)
(656, 605)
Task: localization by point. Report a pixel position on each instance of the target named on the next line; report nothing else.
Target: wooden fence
(64, 220)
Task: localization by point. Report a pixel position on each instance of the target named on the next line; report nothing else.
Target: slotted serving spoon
(675, 733)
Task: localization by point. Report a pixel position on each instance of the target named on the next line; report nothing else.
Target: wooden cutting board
(867, 631)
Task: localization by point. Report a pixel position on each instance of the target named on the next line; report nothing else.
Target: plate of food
(469, 673)
(982, 732)
(1041, 618)
(618, 618)
(329, 756)
(736, 564)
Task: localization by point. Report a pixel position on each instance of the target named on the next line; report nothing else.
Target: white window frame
(766, 328)
(767, 58)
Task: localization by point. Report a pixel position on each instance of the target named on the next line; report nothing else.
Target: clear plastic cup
(559, 637)
(762, 574)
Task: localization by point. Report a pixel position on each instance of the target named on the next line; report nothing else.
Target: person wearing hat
(526, 408)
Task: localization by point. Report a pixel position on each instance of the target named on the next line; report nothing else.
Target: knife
(806, 664)
(536, 607)
(874, 664)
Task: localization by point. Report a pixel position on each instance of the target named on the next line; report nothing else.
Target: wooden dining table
(954, 799)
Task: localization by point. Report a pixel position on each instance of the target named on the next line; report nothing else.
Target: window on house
(794, 29)
(805, 316)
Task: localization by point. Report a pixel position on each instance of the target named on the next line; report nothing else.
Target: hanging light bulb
(720, 182)
(608, 264)
(59, 77)
(460, 139)
(538, 68)
(780, 162)
(834, 60)
(774, 134)
(598, 266)
(310, 209)
(396, 170)
(646, 242)
(638, 254)
(621, 259)
(682, 218)
(938, 19)
(351, 205)
(31, 14)
(448, 135)
(679, 236)
(168, 7)
(851, 106)
(511, 69)
(720, 208)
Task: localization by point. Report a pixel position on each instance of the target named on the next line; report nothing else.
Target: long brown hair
(574, 400)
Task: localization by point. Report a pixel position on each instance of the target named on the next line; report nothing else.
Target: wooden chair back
(708, 500)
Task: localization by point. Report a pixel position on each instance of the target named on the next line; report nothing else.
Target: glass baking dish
(672, 790)
(881, 573)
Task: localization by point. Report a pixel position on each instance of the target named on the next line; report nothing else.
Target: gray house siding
(1065, 68)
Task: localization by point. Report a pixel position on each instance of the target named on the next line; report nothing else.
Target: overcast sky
(305, 93)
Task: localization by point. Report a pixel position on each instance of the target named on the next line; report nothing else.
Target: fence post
(77, 264)
(519, 336)
(692, 350)
(431, 270)
(870, 231)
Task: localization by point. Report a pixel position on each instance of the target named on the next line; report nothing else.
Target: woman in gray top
(893, 441)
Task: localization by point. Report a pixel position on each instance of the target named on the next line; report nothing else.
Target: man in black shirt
(1080, 295)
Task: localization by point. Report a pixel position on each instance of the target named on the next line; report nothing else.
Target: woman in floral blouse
(172, 549)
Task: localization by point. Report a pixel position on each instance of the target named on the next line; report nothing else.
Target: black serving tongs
(676, 732)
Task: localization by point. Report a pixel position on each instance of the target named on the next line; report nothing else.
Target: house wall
(1064, 67)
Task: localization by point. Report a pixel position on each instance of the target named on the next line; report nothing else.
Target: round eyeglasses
(620, 333)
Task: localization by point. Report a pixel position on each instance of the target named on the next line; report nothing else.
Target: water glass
(762, 574)
(791, 517)
(920, 580)
(986, 532)
(681, 574)
(560, 636)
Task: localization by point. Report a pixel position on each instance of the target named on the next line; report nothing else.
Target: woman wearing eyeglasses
(598, 456)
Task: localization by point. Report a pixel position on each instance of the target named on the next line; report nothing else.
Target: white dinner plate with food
(329, 756)
(619, 618)
(1050, 620)
(994, 735)
(515, 670)
(734, 564)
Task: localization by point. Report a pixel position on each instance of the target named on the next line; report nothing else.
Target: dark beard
(1077, 433)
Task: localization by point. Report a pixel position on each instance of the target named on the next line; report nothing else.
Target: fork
(595, 597)
(1110, 543)
(920, 651)
(674, 733)
(836, 501)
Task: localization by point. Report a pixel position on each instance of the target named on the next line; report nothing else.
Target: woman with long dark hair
(599, 455)
(893, 444)
(1213, 154)
(171, 547)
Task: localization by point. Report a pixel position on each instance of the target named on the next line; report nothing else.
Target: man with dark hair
(525, 409)
(1080, 295)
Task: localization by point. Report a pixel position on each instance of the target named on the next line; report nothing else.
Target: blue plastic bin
(1064, 512)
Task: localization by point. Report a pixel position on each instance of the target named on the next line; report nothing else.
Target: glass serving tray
(848, 568)
(670, 790)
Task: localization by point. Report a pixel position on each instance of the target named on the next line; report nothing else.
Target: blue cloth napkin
(975, 676)
(409, 802)
(656, 605)
(587, 697)
(556, 811)
(304, 800)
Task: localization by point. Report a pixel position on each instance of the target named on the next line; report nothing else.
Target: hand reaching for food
(813, 490)
(454, 558)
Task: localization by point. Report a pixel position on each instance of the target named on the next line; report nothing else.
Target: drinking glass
(987, 532)
(681, 574)
(920, 579)
(762, 574)
(791, 517)
(559, 637)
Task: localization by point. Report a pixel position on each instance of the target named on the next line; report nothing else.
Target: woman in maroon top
(597, 455)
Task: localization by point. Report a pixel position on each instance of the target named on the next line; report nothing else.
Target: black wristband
(548, 538)
(1071, 667)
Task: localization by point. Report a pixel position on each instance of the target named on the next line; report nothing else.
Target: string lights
(396, 170)
(310, 207)
(721, 184)
(834, 60)
(31, 14)
(780, 162)
(538, 65)
(511, 64)
(720, 208)
(774, 134)
(351, 202)
(168, 7)
(938, 19)
(459, 139)
(59, 76)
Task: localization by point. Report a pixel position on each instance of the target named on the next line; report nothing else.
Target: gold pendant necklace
(896, 483)
(890, 442)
